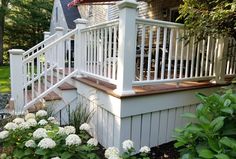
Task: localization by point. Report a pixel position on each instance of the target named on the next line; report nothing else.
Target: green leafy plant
(213, 133)
(209, 17)
(80, 115)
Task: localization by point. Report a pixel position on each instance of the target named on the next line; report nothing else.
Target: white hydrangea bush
(129, 150)
(40, 136)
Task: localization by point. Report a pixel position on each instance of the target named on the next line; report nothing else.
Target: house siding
(95, 14)
(61, 22)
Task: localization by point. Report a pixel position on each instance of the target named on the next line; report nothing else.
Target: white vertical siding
(149, 129)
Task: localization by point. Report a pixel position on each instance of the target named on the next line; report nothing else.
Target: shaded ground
(4, 79)
(165, 151)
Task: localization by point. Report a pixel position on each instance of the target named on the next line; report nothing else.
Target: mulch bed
(165, 151)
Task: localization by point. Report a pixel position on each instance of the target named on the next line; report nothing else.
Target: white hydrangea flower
(40, 133)
(145, 149)
(43, 122)
(73, 139)
(18, 120)
(32, 122)
(4, 134)
(24, 125)
(112, 152)
(51, 118)
(47, 143)
(11, 126)
(41, 113)
(55, 122)
(56, 158)
(127, 145)
(114, 157)
(92, 142)
(61, 131)
(29, 116)
(30, 143)
(69, 130)
(84, 127)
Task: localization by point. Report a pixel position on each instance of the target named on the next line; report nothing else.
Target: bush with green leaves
(212, 134)
(41, 137)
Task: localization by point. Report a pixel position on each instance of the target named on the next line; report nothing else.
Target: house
(159, 9)
(62, 16)
(138, 75)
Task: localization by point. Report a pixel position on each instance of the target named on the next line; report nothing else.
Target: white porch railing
(100, 51)
(125, 52)
(165, 55)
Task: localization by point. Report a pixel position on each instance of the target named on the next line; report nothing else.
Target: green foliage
(25, 22)
(209, 17)
(213, 133)
(80, 115)
(4, 79)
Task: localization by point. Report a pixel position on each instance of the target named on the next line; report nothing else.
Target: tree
(209, 17)
(3, 12)
(27, 21)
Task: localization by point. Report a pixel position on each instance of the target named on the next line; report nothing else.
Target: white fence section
(100, 48)
(165, 53)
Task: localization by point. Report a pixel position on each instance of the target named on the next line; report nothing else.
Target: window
(90, 11)
(56, 14)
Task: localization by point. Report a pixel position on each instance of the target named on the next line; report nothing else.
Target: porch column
(60, 49)
(221, 61)
(79, 46)
(127, 46)
(16, 68)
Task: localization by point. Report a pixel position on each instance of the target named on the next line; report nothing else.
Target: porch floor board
(148, 89)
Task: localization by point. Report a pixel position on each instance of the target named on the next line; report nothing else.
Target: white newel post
(79, 46)
(127, 46)
(46, 34)
(60, 56)
(16, 68)
(221, 61)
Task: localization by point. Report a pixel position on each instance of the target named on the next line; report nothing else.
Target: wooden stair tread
(64, 86)
(66, 70)
(50, 96)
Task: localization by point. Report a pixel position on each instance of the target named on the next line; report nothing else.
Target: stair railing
(41, 69)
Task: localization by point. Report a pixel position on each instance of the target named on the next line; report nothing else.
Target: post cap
(46, 33)
(16, 51)
(80, 21)
(127, 4)
(59, 29)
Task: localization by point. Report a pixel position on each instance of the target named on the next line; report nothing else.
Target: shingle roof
(70, 13)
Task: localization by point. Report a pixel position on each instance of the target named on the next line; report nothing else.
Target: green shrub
(40, 137)
(213, 134)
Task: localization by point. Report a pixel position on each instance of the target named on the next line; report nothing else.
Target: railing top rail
(69, 34)
(159, 23)
(39, 44)
(101, 25)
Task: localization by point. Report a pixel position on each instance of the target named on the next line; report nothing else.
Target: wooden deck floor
(148, 89)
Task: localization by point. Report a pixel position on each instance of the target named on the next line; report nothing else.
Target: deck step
(64, 86)
(50, 96)
(66, 70)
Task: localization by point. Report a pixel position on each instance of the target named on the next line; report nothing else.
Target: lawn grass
(4, 79)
